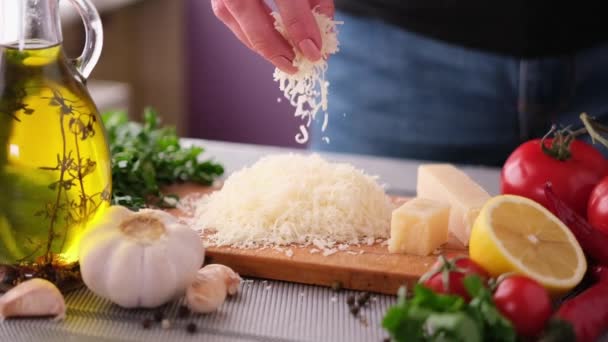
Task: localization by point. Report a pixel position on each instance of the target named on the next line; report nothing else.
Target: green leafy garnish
(495, 326)
(148, 156)
(430, 316)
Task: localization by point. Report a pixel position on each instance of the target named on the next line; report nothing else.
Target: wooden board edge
(315, 274)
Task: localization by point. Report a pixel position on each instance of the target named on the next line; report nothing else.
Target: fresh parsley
(147, 156)
(429, 316)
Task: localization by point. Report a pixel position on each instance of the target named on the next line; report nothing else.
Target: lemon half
(516, 234)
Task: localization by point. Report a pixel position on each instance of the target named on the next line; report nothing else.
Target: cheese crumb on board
(444, 182)
(295, 199)
(343, 246)
(303, 88)
(329, 252)
(419, 227)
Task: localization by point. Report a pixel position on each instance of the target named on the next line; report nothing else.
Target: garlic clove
(123, 283)
(92, 250)
(233, 280)
(206, 294)
(157, 266)
(33, 298)
(185, 248)
(210, 288)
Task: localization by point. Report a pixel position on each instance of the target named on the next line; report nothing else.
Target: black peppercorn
(147, 323)
(191, 328)
(363, 299)
(158, 316)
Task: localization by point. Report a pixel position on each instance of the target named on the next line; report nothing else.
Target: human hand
(251, 22)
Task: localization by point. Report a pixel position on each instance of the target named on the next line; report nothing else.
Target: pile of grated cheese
(295, 199)
(303, 88)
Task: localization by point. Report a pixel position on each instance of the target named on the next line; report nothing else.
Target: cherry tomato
(597, 208)
(524, 302)
(528, 168)
(455, 270)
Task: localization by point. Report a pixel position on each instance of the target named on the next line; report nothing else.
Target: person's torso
(520, 28)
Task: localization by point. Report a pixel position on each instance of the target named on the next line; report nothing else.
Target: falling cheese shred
(304, 88)
(295, 199)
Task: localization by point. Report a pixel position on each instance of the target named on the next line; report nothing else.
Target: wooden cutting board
(366, 268)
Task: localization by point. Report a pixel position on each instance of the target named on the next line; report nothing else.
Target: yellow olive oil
(55, 176)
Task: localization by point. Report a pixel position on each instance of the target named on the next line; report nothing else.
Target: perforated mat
(263, 311)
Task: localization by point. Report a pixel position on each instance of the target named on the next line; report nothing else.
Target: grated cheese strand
(303, 88)
(295, 199)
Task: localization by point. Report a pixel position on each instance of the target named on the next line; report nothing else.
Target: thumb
(326, 7)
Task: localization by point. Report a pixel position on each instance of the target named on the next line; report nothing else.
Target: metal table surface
(263, 310)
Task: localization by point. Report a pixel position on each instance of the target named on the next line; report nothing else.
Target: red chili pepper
(587, 312)
(599, 273)
(593, 242)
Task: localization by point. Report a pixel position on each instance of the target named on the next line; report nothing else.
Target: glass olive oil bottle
(55, 177)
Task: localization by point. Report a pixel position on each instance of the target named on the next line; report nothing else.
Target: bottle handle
(94, 37)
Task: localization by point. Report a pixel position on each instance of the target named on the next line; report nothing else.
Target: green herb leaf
(454, 326)
(406, 320)
(425, 297)
(558, 331)
(148, 156)
(430, 316)
(494, 325)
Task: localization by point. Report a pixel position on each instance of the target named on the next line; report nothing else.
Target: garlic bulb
(140, 259)
(33, 298)
(208, 292)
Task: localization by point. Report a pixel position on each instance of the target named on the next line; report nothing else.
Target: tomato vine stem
(563, 138)
(593, 128)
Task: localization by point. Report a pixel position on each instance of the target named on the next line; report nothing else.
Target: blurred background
(175, 56)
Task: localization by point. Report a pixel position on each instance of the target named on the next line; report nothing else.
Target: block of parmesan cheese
(444, 182)
(419, 227)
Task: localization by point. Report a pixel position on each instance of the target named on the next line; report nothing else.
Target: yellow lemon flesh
(516, 234)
